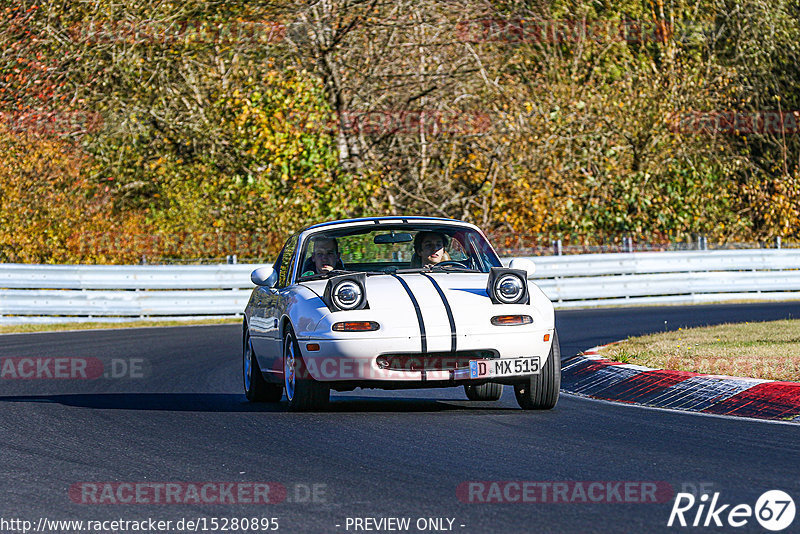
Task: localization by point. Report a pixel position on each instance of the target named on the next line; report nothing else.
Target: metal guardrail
(666, 262)
(23, 276)
(669, 277)
(76, 293)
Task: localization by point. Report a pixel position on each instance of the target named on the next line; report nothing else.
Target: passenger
(324, 258)
(429, 249)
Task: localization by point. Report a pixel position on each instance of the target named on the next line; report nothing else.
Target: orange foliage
(46, 203)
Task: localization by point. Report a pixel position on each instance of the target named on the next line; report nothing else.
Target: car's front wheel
(484, 392)
(256, 389)
(540, 392)
(303, 392)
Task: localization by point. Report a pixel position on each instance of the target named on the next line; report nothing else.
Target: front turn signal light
(356, 326)
(507, 320)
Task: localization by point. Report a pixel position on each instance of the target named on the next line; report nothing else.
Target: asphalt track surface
(374, 454)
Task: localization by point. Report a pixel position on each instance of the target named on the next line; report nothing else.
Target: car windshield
(396, 248)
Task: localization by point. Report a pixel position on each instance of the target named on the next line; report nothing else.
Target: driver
(325, 256)
(429, 249)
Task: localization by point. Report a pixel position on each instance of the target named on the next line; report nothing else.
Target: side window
(286, 260)
(457, 251)
(279, 262)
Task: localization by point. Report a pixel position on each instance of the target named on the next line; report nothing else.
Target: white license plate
(504, 367)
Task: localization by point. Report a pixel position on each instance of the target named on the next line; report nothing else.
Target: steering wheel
(449, 263)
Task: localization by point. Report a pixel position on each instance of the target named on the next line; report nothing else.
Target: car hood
(465, 299)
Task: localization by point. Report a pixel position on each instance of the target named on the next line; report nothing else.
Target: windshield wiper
(449, 267)
(436, 268)
(325, 275)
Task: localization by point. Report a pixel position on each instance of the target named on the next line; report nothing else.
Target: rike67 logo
(774, 510)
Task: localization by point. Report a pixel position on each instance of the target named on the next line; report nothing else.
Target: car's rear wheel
(540, 392)
(484, 392)
(256, 389)
(303, 392)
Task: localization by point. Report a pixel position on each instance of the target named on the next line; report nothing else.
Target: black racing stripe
(448, 309)
(423, 336)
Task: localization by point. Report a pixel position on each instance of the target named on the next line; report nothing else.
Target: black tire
(256, 389)
(540, 392)
(302, 391)
(484, 392)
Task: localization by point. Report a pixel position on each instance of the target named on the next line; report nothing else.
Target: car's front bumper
(354, 358)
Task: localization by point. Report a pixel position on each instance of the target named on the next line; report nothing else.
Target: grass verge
(21, 328)
(768, 350)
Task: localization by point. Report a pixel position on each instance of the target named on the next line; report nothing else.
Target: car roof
(390, 220)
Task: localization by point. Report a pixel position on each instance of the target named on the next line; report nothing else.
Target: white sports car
(392, 303)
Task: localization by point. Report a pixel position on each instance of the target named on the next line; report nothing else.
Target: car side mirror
(264, 276)
(523, 264)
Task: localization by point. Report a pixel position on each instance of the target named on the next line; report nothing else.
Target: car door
(261, 324)
(271, 359)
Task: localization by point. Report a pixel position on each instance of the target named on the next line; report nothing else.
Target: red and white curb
(591, 375)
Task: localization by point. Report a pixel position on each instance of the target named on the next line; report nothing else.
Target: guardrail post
(627, 244)
(778, 242)
(701, 242)
(557, 247)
